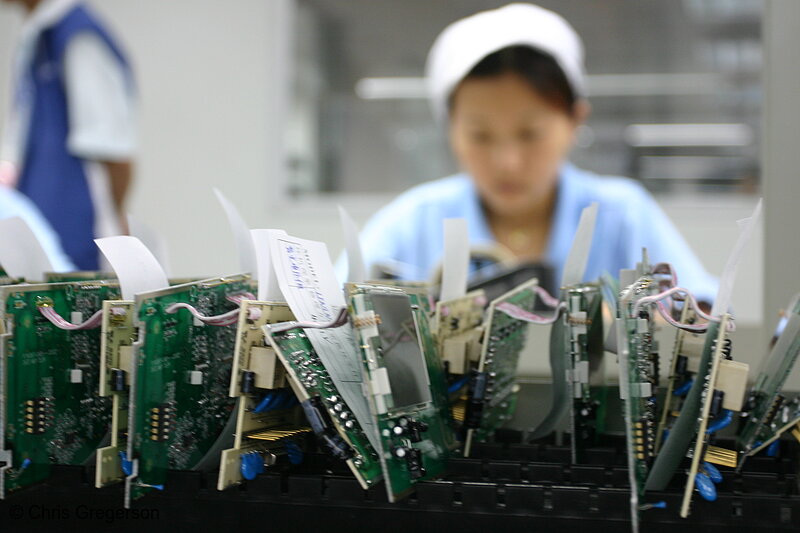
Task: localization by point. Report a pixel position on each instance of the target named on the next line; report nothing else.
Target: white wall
(780, 150)
(210, 117)
(10, 20)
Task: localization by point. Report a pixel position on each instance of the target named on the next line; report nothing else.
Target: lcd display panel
(400, 349)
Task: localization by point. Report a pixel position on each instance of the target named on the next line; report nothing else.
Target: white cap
(464, 43)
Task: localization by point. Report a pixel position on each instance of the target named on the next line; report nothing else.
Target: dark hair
(539, 69)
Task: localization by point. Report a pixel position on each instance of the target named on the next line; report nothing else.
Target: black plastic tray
(506, 487)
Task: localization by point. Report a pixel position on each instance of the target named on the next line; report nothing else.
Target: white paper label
(306, 277)
(268, 288)
(575, 265)
(241, 236)
(136, 267)
(728, 277)
(356, 272)
(151, 238)
(455, 263)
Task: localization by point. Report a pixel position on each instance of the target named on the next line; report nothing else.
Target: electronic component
(704, 411)
(174, 423)
(768, 413)
(686, 351)
(258, 381)
(638, 360)
(493, 388)
(456, 326)
(331, 420)
(713, 407)
(116, 351)
(405, 379)
(420, 289)
(582, 330)
(51, 411)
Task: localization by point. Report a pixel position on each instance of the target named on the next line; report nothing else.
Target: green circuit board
(638, 357)
(51, 412)
(683, 430)
(456, 325)
(583, 347)
(333, 422)
(699, 450)
(267, 414)
(492, 392)
(116, 351)
(421, 289)
(180, 413)
(686, 349)
(786, 419)
(770, 413)
(406, 382)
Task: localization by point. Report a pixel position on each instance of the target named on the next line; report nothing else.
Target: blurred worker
(70, 139)
(509, 84)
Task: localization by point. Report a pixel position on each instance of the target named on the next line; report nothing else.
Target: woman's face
(511, 140)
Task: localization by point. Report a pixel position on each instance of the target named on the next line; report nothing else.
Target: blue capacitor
(265, 403)
(712, 472)
(293, 452)
(127, 466)
(722, 422)
(456, 385)
(252, 465)
(705, 487)
(683, 389)
(774, 448)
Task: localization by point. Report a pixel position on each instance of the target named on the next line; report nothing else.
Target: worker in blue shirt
(509, 85)
(70, 139)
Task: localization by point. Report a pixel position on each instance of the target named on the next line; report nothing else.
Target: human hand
(8, 174)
